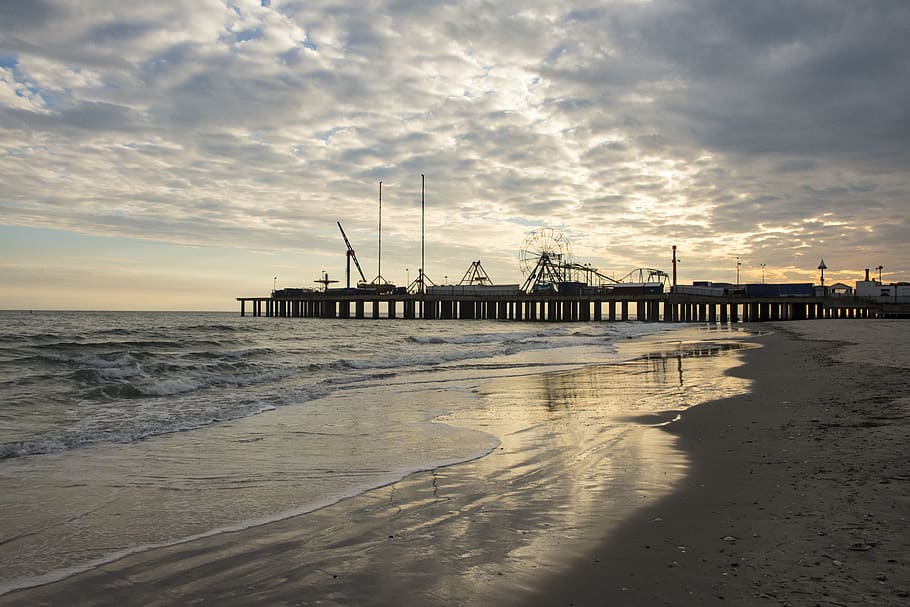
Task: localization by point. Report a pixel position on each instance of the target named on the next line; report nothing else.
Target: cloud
(723, 128)
(27, 15)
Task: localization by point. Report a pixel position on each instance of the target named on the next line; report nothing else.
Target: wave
(151, 373)
(239, 354)
(116, 384)
(97, 433)
(471, 346)
(221, 328)
(101, 361)
(415, 360)
(148, 343)
(169, 387)
(125, 413)
(139, 381)
(18, 338)
(483, 338)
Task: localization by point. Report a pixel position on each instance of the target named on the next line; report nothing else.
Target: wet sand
(795, 493)
(798, 494)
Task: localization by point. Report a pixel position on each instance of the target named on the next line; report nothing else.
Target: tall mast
(379, 269)
(422, 214)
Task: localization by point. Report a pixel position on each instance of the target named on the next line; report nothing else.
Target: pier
(651, 307)
(558, 289)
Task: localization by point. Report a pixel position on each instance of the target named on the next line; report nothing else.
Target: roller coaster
(546, 261)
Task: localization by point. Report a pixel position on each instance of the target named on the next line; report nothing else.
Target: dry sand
(795, 494)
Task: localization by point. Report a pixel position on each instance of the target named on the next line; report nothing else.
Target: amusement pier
(559, 289)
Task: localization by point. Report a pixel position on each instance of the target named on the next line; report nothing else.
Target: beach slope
(798, 494)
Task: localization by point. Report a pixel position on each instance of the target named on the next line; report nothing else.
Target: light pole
(738, 264)
(763, 273)
(675, 261)
(274, 283)
(880, 268)
(408, 274)
(822, 267)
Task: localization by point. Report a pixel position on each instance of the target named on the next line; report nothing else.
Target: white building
(896, 292)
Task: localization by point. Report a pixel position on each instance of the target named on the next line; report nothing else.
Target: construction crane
(351, 255)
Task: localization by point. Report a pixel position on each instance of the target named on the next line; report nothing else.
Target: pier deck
(664, 307)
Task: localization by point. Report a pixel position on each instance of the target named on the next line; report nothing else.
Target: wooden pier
(663, 307)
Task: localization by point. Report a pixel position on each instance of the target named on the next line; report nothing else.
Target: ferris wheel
(544, 247)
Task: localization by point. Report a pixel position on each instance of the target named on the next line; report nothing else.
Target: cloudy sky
(178, 154)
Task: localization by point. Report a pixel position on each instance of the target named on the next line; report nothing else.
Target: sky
(176, 155)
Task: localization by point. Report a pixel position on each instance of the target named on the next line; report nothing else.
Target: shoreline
(500, 520)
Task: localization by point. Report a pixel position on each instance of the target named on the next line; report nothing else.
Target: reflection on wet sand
(576, 458)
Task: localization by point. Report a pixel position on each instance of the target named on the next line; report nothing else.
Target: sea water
(124, 431)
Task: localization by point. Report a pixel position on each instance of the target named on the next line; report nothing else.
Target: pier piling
(662, 307)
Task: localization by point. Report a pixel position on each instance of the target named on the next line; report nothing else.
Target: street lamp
(880, 268)
(738, 264)
(274, 283)
(763, 273)
(408, 274)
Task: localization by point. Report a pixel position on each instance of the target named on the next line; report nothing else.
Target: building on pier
(874, 290)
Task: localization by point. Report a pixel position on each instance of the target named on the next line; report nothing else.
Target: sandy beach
(798, 493)
(795, 492)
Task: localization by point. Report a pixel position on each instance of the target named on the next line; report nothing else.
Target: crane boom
(351, 255)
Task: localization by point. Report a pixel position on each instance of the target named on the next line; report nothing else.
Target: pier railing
(664, 307)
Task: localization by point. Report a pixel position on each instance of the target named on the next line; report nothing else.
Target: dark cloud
(18, 14)
(94, 116)
(115, 33)
(792, 78)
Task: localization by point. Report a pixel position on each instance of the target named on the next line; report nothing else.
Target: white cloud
(15, 93)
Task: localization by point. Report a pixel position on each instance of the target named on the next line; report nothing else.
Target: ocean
(125, 431)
